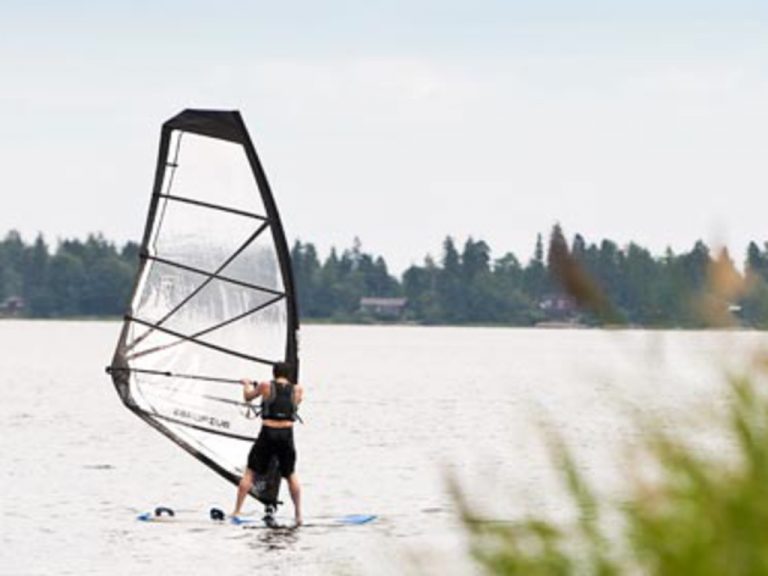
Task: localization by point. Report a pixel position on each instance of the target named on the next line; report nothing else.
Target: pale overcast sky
(402, 122)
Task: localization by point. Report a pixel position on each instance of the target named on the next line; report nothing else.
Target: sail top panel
(224, 125)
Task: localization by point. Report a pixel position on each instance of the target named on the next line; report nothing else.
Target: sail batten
(213, 300)
(177, 375)
(212, 275)
(191, 339)
(212, 206)
(196, 337)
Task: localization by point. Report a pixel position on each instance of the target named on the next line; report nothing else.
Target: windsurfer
(280, 399)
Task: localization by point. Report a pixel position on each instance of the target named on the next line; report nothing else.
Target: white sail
(213, 300)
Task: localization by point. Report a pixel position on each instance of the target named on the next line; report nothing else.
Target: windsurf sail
(213, 300)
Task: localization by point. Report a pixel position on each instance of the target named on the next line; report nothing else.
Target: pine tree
(450, 286)
(35, 278)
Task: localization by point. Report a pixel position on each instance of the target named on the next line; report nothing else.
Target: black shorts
(273, 442)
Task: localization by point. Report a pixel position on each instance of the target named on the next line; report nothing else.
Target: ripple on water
(98, 467)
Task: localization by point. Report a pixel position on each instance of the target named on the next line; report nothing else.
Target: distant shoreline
(546, 326)
(565, 284)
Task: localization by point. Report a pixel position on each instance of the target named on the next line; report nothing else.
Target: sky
(402, 122)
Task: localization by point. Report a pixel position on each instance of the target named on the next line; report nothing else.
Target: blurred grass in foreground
(698, 515)
(684, 513)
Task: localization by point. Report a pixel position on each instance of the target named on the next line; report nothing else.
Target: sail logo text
(201, 418)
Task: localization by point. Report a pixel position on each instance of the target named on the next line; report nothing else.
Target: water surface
(391, 412)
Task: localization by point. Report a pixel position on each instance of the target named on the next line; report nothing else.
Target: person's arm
(298, 394)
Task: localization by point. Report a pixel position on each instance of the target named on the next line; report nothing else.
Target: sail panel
(162, 352)
(197, 405)
(200, 237)
(201, 301)
(214, 171)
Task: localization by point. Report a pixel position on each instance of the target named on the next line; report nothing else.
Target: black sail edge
(228, 126)
(278, 236)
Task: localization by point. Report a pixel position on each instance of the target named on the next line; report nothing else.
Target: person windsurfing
(280, 399)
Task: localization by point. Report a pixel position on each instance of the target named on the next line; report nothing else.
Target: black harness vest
(279, 405)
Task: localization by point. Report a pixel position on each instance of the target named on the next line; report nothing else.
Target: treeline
(90, 278)
(576, 281)
(591, 283)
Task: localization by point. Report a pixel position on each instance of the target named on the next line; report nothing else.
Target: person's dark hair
(281, 370)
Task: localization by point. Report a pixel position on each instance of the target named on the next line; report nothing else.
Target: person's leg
(295, 489)
(286, 455)
(258, 459)
(246, 482)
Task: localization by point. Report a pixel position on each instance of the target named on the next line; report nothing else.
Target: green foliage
(88, 278)
(699, 515)
(420, 286)
(465, 285)
(757, 260)
(541, 547)
(334, 288)
(755, 304)
(535, 274)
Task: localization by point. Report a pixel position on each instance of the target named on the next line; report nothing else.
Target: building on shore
(12, 307)
(558, 304)
(383, 308)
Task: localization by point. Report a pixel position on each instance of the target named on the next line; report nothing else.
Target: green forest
(572, 282)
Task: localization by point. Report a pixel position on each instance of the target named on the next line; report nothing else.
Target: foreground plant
(696, 515)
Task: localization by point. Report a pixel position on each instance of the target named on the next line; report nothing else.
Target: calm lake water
(391, 413)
